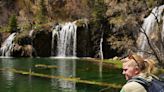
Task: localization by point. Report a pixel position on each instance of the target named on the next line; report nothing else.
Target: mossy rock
(23, 38)
(81, 22)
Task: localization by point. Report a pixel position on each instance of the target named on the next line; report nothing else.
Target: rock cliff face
(29, 11)
(84, 43)
(125, 19)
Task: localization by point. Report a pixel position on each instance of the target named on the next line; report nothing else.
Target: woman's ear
(137, 70)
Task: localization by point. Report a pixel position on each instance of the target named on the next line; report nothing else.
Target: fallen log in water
(46, 66)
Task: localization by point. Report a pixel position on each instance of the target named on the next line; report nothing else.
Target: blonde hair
(151, 66)
(144, 65)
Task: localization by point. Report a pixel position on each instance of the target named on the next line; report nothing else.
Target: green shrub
(4, 29)
(41, 17)
(13, 24)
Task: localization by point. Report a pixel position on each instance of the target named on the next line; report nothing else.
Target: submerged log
(73, 79)
(45, 66)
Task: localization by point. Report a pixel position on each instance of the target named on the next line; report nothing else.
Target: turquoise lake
(62, 69)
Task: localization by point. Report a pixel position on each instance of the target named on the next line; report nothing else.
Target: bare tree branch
(150, 45)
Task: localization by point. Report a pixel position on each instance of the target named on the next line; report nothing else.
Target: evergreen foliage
(42, 12)
(99, 11)
(13, 24)
(8, 3)
(98, 23)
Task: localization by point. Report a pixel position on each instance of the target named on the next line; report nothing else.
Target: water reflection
(8, 76)
(65, 69)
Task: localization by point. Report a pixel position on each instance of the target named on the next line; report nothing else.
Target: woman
(136, 66)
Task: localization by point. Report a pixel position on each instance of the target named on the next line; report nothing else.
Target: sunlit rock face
(23, 51)
(17, 50)
(27, 51)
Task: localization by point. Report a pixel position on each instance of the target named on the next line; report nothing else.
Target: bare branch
(156, 54)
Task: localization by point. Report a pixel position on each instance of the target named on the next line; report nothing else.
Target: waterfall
(148, 27)
(101, 56)
(66, 39)
(8, 45)
(101, 51)
(31, 32)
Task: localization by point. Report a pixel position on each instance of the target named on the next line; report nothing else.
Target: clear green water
(68, 68)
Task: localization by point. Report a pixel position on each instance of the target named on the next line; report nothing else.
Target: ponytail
(150, 66)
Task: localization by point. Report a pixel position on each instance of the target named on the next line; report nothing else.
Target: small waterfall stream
(31, 32)
(101, 50)
(148, 27)
(101, 56)
(7, 45)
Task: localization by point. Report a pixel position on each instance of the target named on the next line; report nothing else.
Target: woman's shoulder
(133, 87)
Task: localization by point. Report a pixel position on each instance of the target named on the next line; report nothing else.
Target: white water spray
(8, 45)
(66, 39)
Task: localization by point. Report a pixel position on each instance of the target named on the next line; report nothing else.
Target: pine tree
(13, 24)
(42, 11)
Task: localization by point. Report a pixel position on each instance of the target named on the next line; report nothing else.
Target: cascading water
(66, 39)
(101, 56)
(31, 32)
(148, 27)
(7, 45)
(101, 51)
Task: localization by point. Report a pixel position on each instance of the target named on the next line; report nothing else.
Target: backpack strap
(141, 81)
